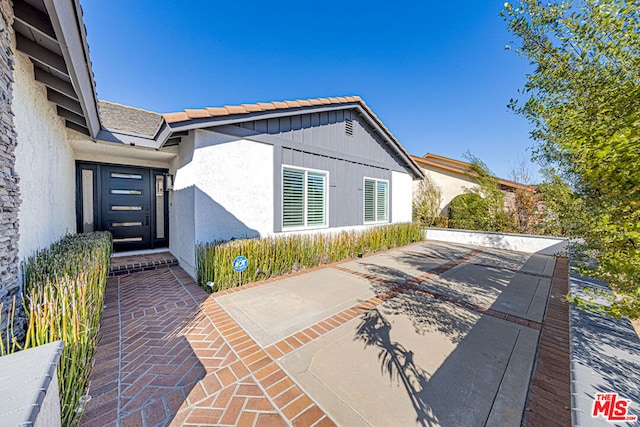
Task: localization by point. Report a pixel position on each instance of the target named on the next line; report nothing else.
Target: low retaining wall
(516, 242)
(29, 387)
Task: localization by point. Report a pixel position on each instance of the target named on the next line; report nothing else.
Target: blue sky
(436, 73)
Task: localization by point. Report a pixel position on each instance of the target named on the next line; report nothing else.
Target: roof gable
(202, 118)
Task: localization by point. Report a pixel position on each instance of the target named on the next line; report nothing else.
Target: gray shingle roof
(116, 117)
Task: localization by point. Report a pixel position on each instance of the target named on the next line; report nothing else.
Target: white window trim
(326, 198)
(375, 200)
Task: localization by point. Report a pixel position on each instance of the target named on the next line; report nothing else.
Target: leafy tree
(564, 214)
(427, 198)
(482, 206)
(583, 99)
(469, 211)
(493, 198)
(524, 212)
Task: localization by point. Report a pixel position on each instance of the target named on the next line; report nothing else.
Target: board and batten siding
(342, 143)
(328, 133)
(345, 185)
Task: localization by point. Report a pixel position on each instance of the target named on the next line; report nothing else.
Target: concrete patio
(428, 334)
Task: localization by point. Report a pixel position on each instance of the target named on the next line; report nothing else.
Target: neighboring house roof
(462, 168)
(201, 118)
(51, 33)
(129, 119)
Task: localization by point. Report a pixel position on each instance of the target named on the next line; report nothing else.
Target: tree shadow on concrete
(439, 250)
(427, 315)
(607, 348)
(471, 385)
(397, 362)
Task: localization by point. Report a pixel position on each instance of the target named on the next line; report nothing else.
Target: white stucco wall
(182, 236)
(545, 245)
(451, 184)
(228, 183)
(44, 162)
(87, 150)
(401, 197)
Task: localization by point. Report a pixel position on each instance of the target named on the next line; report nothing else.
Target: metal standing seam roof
(239, 110)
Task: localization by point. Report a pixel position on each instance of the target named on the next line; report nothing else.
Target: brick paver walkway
(170, 355)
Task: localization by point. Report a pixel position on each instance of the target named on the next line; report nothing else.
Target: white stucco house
(317, 165)
(455, 177)
(172, 180)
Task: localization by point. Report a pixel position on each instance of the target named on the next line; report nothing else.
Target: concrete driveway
(425, 353)
(428, 334)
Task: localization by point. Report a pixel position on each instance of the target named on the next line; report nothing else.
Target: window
(304, 198)
(376, 200)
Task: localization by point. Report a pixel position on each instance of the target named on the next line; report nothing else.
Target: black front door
(126, 206)
(127, 201)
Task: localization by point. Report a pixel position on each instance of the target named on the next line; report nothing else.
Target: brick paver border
(549, 397)
(292, 403)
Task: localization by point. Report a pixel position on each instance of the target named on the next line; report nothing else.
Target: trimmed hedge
(278, 255)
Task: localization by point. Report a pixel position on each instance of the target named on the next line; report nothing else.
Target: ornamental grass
(63, 295)
(279, 255)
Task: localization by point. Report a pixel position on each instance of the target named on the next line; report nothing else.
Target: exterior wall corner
(9, 189)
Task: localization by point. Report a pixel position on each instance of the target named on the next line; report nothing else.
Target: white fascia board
(66, 18)
(163, 134)
(128, 139)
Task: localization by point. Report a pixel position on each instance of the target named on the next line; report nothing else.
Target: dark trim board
(141, 231)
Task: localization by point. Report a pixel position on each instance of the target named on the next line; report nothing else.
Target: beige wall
(451, 184)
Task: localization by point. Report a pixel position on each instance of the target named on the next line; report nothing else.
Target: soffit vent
(348, 127)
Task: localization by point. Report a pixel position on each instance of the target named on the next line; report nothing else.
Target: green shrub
(63, 294)
(275, 256)
(469, 211)
(427, 198)
(440, 222)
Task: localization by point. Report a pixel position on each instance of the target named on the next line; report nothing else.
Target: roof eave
(467, 172)
(127, 139)
(364, 111)
(66, 19)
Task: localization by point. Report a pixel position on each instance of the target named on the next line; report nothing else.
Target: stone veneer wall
(9, 190)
